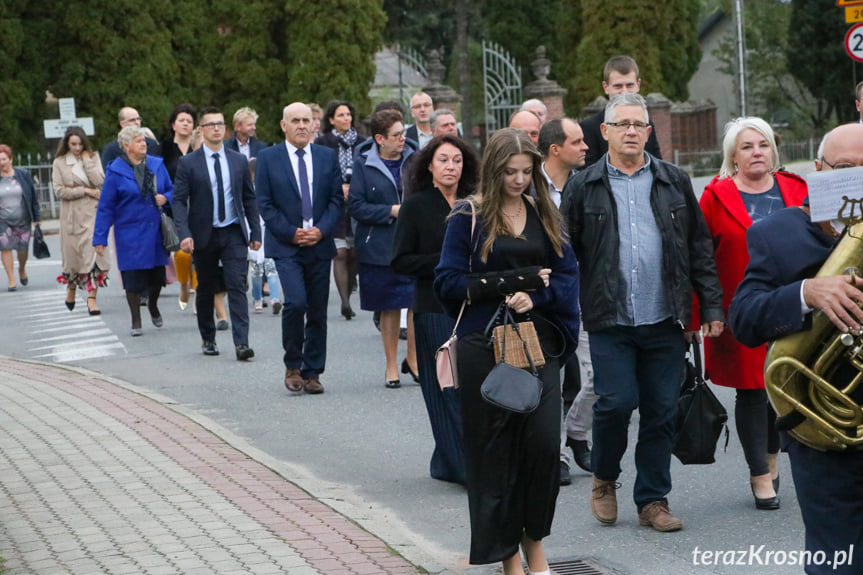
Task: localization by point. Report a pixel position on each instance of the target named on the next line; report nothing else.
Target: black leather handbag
(40, 248)
(509, 387)
(700, 416)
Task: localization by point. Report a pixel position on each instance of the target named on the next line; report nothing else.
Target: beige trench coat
(78, 212)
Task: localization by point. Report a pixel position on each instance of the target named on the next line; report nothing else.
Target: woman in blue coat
(375, 198)
(135, 189)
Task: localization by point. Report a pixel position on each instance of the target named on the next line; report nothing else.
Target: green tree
(816, 57)
(772, 91)
(661, 36)
(25, 30)
(331, 46)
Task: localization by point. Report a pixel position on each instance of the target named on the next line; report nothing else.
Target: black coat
(590, 212)
(420, 229)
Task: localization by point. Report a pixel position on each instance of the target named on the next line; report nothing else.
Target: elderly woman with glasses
(749, 187)
(375, 198)
(136, 188)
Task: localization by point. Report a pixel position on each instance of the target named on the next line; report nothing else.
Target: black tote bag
(700, 416)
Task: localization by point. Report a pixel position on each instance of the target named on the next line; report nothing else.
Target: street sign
(854, 42)
(57, 128)
(67, 108)
(854, 14)
(841, 3)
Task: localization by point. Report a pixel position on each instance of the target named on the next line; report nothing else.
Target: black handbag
(170, 239)
(700, 416)
(509, 387)
(40, 248)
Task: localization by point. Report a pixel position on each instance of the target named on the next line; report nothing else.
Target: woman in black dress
(443, 172)
(515, 253)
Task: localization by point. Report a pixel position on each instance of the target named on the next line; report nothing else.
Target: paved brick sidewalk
(95, 478)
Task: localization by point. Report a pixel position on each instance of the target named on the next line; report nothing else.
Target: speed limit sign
(854, 42)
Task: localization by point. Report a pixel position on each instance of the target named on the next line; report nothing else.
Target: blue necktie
(304, 186)
(221, 186)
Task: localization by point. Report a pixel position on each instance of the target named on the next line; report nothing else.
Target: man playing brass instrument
(776, 298)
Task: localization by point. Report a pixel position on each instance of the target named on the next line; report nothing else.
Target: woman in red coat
(749, 187)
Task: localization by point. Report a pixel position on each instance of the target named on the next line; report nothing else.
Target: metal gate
(501, 84)
(413, 60)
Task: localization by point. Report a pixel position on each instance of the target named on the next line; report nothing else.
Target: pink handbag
(445, 359)
(445, 356)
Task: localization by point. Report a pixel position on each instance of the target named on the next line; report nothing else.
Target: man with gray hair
(537, 107)
(245, 124)
(443, 123)
(127, 117)
(643, 247)
(421, 111)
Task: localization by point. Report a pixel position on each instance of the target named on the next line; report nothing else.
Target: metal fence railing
(708, 162)
(41, 168)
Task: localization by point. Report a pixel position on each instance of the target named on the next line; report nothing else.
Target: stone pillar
(547, 91)
(442, 95)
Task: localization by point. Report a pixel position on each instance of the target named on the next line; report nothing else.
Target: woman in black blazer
(339, 133)
(443, 172)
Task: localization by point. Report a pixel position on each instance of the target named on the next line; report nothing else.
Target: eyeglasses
(397, 135)
(421, 105)
(213, 125)
(840, 165)
(627, 125)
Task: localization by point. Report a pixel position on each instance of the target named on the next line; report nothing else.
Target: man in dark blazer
(217, 220)
(127, 117)
(245, 127)
(777, 297)
(299, 189)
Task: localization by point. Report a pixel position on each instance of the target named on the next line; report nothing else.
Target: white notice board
(830, 190)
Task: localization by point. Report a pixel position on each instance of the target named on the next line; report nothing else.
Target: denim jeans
(259, 271)
(640, 368)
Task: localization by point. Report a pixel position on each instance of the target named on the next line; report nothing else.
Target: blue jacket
(372, 194)
(135, 219)
(280, 201)
(31, 202)
(784, 249)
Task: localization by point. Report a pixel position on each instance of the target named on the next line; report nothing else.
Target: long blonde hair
(488, 200)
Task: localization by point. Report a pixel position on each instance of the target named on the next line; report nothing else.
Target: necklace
(517, 214)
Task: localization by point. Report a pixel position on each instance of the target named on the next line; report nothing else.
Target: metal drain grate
(578, 567)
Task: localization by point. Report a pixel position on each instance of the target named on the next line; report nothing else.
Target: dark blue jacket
(31, 202)
(461, 266)
(255, 146)
(784, 249)
(135, 219)
(280, 202)
(372, 194)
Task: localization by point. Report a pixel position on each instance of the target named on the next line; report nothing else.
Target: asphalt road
(365, 449)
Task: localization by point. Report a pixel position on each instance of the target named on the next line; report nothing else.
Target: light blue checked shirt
(641, 293)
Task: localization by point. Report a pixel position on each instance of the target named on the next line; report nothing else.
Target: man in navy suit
(217, 220)
(245, 127)
(776, 298)
(299, 189)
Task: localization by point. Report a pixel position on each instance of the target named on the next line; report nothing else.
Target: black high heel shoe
(70, 305)
(407, 369)
(766, 503)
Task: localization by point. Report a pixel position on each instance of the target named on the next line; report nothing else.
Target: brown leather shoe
(313, 386)
(603, 500)
(293, 380)
(656, 515)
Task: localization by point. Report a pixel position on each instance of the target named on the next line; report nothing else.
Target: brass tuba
(810, 376)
